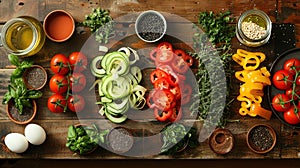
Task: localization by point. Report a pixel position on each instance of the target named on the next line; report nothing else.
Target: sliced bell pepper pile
(254, 79)
(170, 90)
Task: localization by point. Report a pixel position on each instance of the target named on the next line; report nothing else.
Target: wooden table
(280, 12)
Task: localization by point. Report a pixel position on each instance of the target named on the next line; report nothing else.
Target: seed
(253, 30)
(151, 27)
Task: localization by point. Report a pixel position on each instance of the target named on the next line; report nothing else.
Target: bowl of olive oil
(23, 36)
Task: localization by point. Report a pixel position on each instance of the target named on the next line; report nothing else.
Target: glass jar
(254, 28)
(23, 36)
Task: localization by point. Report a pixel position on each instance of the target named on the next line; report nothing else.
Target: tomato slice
(162, 115)
(163, 99)
(165, 46)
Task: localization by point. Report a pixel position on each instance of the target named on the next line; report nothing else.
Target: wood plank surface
(285, 12)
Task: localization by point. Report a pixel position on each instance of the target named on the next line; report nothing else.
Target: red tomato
(162, 115)
(291, 117)
(58, 84)
(59, 64)
(292, 65)
(298, 81)
(282, 79)
(76, 103)
(281, 102)
(165, 46)
(289, 92)
(56, 103)
(77, 82)
(78, 61)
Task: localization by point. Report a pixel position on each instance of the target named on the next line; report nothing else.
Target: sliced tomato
(162, 115)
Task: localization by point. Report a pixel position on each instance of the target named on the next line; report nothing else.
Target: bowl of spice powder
(150, 26)
(261, 138)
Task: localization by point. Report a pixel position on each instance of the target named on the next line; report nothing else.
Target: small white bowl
(154, 28)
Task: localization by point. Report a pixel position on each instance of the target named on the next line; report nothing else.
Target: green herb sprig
(101, 23)
(219, 31)
(17, 90)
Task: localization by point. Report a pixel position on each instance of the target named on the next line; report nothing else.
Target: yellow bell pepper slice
(251, 62)
(257, 109)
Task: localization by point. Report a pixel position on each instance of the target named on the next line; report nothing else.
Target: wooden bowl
(116, 139)
(221, 141)
(261, 138)
(24, 118)
(35, 77)
(59, 25)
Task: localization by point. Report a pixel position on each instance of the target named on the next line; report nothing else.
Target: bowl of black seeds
(261, 138)
(150, 26)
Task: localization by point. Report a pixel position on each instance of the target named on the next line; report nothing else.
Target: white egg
(16, 142)
(35, 134)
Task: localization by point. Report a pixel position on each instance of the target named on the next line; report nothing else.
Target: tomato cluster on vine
(287, 80)
(67, 81)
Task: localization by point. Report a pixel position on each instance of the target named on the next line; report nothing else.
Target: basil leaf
(34, 94)
(26, 64)
(17, 72)
(14, 59)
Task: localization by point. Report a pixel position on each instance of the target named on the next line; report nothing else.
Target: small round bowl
(261, 138)
(150, 26)
(59, 25)
(221, 141)
(35, 77)
(25, 118)
(120, 140)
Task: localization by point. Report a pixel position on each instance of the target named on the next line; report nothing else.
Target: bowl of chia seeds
(261, 138)
(150, 26)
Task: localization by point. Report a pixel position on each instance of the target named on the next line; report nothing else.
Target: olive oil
(19, 36)
(23, 36)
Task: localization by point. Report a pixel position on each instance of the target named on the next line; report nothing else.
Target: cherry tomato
(165, 46)
(282, 79)
(281, 102)
(59, 64)
(162, 115)
(58, 84)
(78, 61)
(298, 81)
(292, 65)
(56, 103)
(289, 92)
(76, 103)
(291, 117)
(77, 82)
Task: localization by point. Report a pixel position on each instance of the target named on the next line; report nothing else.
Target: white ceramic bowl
(154, 29)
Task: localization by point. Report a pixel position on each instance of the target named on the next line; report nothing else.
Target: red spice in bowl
(59, 25)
